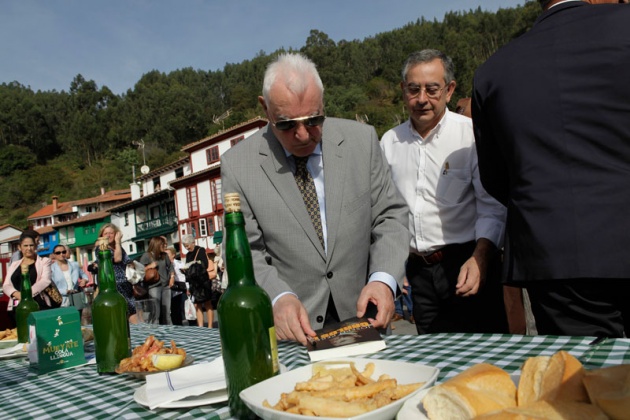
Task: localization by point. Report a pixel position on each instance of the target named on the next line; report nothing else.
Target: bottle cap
(102, 243)
(24, 268)
(232, 202)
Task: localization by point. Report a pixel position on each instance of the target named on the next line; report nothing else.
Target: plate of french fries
(8, 338)
(141, 362)
(353, 388)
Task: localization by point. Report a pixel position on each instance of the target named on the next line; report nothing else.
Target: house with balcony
(198, 195)
(151, 211)
(75, 223)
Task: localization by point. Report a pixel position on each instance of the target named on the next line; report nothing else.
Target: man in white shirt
(456, 226)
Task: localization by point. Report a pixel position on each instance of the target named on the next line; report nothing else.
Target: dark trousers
(591, 307)
(436, 308)
(177, 309)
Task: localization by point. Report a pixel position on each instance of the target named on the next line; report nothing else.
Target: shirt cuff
(385, 278)
(273, 302)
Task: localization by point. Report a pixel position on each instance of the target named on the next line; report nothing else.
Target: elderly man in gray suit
(326, 259)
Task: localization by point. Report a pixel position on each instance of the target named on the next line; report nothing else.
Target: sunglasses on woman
(59, 252)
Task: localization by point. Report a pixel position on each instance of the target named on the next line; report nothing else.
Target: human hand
(16, 295)
(291, 319)
(118, 237)
(470, 278)
(380, 295)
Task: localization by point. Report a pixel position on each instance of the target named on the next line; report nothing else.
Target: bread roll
(609, 389)
(478, 390)
(548, 410)
(557, 377)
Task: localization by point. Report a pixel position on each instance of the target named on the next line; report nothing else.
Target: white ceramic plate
(412, 409)
(142, 375)
(270, 390)
(212, 397)
(5, 344)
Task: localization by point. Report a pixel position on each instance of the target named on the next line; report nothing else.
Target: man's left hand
(380, 295)
(472, 275)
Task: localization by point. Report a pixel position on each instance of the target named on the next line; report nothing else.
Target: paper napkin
(193, 380)
(18, 348)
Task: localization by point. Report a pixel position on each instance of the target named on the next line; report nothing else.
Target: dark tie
(306, 186)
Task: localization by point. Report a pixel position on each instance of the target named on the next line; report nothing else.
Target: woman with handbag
(179, 290)
(69, 278)
(39, 272)
(160, 290)
(199, 280)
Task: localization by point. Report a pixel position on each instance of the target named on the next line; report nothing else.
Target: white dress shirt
(439, 179)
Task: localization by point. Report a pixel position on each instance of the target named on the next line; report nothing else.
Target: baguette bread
(479, 389)
(550, 378)
(609, 389)
(548, 410)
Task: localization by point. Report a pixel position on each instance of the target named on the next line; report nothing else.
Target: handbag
(77, 299)
(151, 276)
(140, 291)
(179, 286)
(52, 293)
(134, 272)
(189, 310)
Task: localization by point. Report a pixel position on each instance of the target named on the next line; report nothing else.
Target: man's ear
(261, 100)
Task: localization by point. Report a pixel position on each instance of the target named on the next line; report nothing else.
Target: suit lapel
(333, 181)
(274, 164)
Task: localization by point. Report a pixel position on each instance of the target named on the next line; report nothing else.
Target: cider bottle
(25, 307)
(248, 335)
(112, 339)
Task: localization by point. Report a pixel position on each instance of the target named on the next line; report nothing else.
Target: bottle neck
(26, 293)
(106, 274)
(238, 255)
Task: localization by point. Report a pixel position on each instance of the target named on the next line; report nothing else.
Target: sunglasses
(59, 252)
(285, 125)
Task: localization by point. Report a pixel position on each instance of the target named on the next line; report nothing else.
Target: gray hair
(295, 70)
(188, 239)
(426, 56)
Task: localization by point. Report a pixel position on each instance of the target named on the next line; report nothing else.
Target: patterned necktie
(306, 186)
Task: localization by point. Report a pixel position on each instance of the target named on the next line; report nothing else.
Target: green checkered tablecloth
(80, 393)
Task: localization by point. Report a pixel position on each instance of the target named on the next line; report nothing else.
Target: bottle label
(274, 350)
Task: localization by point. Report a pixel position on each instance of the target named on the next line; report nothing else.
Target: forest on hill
(73, 143)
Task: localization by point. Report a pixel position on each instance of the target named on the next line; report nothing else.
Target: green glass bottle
(248, 335)
(112, 339)
(25, 307)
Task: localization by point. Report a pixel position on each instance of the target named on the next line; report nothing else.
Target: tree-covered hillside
(71, 144)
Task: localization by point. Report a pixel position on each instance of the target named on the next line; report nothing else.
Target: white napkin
(188, 381)
(18, 348)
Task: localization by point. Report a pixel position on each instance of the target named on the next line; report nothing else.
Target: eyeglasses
(59, 252)
(286, 125)
(432, 91)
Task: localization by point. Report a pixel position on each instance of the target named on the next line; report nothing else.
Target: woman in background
(200, 286)
(120, 261)
(38, 270)
(156, 257)
(177, 291)
(66, 274)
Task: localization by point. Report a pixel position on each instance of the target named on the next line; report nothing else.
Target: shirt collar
(317, 151)
(434, 131)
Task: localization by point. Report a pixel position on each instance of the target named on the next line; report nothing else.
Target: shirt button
(320, 318)
(329, 275)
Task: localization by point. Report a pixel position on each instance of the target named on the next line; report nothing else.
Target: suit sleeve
(266, 274)
(492, 166)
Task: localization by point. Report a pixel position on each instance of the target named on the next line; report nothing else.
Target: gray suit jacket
(366, 217)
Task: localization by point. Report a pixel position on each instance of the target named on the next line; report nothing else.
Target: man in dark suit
(551, 112)
(326, 265)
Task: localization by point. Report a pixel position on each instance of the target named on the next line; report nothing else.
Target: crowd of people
(444, 209)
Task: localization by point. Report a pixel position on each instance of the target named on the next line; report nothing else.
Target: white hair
(295, 70)
(188, 239)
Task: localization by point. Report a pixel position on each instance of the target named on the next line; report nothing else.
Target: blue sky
(46, 43)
